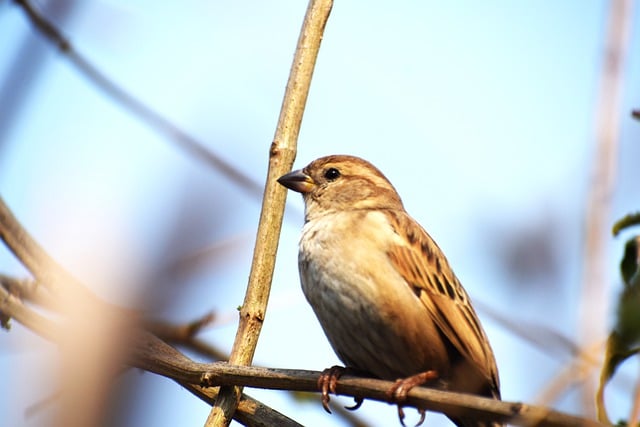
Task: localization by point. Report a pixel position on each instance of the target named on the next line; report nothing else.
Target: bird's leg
(327, 383)
(398, 392)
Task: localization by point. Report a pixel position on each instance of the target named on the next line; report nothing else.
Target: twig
(144, 112)
(185, 335)
(11, 306)
(281, 157)
(594, 281)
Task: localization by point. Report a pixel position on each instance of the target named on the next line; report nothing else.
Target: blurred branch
(549, 341)
(45, 270)
(12, 307)
(250, 411)
(43, 267)
(594, 280)
(583, 364)
(30, 290)
(26, 66)
(281, 157)
(141, 110)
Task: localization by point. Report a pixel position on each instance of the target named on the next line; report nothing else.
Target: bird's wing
(423, 266)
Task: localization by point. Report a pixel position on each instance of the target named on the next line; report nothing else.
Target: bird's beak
(297, 181)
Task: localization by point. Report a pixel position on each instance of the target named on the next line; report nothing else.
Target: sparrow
(382, 290)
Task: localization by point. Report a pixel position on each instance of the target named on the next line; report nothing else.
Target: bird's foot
(327, 383)
(398, 392)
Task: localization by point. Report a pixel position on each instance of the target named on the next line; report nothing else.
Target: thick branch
(155, 356)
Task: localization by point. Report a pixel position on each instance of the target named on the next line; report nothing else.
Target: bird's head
(340, 183)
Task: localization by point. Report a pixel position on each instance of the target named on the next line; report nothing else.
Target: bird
(382, 289)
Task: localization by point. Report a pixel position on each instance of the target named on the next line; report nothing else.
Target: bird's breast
(371, 317)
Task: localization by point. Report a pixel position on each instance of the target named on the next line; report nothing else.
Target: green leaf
(626, 222)
(624, 339)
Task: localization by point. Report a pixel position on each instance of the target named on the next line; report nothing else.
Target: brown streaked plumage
(381, 288)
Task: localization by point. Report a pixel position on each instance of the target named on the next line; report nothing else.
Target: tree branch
(155, 356)
(281, 157)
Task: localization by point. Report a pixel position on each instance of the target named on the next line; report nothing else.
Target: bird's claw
(398, 392)
(358, 403)
(327, 383)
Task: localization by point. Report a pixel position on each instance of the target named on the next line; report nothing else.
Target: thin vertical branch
(281, 157)
(597, 223)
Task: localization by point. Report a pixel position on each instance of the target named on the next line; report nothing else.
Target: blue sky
(480, 113)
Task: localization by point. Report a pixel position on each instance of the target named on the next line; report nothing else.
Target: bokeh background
(482, 114)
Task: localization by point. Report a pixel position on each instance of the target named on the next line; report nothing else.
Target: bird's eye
(332, 174)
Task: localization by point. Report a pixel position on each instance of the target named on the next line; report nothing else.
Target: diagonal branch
(44, 269)
(141, 110)
(250, 411)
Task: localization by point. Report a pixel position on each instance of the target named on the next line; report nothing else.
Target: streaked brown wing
(423, 266)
